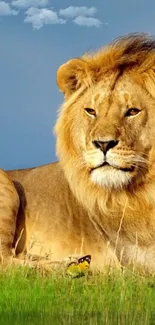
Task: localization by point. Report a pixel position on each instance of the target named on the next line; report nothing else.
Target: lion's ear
(71, 75)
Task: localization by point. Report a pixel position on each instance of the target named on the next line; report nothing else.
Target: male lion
(100, 198)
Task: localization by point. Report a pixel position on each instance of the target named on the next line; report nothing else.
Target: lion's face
(109, 128)
(114, 138)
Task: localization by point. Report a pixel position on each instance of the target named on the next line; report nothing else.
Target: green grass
(27, 297)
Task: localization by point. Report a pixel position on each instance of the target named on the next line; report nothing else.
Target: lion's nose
(105, 145)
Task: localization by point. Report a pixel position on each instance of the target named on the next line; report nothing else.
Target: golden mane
(134, 51)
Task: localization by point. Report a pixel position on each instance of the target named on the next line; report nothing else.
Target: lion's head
(106, 127)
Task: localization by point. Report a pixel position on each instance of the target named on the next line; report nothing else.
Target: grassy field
(28, 297)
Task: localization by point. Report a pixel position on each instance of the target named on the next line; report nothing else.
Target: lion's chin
(111, 177)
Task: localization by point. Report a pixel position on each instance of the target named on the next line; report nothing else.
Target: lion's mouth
(126, 169)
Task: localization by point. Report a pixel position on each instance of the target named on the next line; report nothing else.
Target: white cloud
(22, 4)
(5, 9)
(87, 21)
(72, 12)
(39, 17)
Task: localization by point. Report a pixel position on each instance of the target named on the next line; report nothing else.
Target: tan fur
(9, 205)
(78, 206)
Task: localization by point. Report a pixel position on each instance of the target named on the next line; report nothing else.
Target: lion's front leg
(9, 204)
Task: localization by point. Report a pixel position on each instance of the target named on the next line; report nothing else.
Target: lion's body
(100, 198)
(54, 223)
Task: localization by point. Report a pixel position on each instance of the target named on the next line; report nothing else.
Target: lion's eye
(132, 112)
(90, 111)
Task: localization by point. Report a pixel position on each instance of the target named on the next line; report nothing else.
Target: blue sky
(36, 36)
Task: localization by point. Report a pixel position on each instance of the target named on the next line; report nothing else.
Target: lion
(99, 198)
